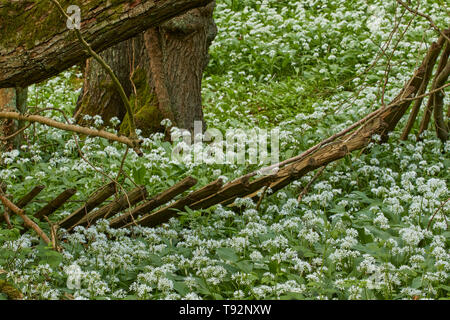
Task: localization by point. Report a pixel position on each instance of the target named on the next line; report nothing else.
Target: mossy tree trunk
(160, 70)
(15, 100)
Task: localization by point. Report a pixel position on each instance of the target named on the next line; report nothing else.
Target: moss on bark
(11, 292)
(26, 22)
(145, 107)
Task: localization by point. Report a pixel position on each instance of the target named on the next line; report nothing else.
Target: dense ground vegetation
(364, 231)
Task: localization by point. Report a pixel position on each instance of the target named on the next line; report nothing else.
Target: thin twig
(428, 93)
(53, 234)
(430, 20)
(15, 133)
(122, 164)
(437, 210)
(306, 188)
(261, 197)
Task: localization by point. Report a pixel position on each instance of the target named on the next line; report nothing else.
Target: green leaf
(227, 254)
(416, 283)
(245, 265)
(444, 287)
(181, 287)
(48, 255)
(139, 174)
(155, 260)
(292, 296)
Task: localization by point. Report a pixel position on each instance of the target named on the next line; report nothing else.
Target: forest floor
(373, 226)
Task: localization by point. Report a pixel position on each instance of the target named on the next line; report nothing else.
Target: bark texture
(35, 43)
(12, 100)
(161, 71)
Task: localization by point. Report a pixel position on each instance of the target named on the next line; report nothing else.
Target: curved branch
(69, 127)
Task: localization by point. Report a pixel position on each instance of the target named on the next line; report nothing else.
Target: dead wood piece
(227, 191)
(263, 193)
(430, 104)
(164, 214)
(7, 219)
(136, 195)
(438, 101)
(95, 199)
(154, 202)
(26, 199)
(55, 204)
(254, 187)
(429, 62)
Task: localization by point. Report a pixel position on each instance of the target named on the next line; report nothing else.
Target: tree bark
(35, 43)
(160, 70)
(12, 100)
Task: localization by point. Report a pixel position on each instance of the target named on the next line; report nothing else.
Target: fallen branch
(53, 234)
(431, 58)
(68, 127)
(263, 193)
(430, 104)
(7, 218)
(227, 191)
(380, 122)
(28, 222)
(438, 101)
(29, 196)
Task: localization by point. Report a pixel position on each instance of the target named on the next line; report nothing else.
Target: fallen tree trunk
(36, 44)
(382, 122)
